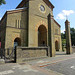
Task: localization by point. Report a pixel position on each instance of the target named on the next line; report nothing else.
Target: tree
(73, 36)
(63, 41)
(63, 36)
(2, 2)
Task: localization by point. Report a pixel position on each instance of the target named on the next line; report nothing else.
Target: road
(66, 67)
(59, 65)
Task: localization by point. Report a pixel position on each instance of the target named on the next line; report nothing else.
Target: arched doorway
(42, 36)
(56, 45)
(17, 42)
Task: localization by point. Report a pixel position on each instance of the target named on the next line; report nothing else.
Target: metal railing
(9, 53)
(2, 53)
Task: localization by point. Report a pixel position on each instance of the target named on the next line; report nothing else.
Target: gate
(10, 54)
(2, 53)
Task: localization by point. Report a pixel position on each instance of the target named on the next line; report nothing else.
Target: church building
(31, 24)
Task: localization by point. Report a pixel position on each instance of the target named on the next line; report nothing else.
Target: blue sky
(62, 8)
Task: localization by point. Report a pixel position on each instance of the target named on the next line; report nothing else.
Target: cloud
(0, 18)
(64, 13)
(60, 16)
(62, 31)
(68, 12)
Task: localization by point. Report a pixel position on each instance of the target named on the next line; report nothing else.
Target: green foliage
(64, 41)
(63, 44)
(63, 37)
(73, 36)
(2, 2)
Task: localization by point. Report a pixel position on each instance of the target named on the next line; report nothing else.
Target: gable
(23, 2)
(56, 23)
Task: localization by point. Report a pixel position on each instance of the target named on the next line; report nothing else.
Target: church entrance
(56, 45)
(17, 42)
(42, 36)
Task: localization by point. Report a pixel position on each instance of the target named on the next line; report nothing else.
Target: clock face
(42, 8)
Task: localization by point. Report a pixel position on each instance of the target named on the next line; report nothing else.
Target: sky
(63, 9)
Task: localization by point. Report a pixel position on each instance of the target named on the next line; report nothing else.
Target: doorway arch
(57, 45)
(42, 36)
(17, 42)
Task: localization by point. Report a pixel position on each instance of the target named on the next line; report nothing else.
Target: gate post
(15, 54)
(4, 54)
(1, 53)
(68, 38)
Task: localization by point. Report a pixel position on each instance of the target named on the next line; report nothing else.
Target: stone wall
(28, 53)
(73, 49)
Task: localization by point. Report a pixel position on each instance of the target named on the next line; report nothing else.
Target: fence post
(1, 53)
(15, 54)
(4, 54)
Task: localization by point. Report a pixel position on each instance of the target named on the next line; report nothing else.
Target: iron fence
(2, 53)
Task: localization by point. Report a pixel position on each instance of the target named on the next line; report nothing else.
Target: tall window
(18, 24)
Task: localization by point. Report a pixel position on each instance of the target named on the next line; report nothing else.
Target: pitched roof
(56, 22)
(12, 11)
(22, 3)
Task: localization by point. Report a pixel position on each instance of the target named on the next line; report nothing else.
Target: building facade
(31, 24)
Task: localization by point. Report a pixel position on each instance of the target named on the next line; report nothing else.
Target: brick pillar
(51, 42)
(68, 38)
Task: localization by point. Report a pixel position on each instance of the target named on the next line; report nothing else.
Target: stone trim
(41, 23)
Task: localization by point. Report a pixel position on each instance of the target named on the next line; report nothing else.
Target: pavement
(62, 64)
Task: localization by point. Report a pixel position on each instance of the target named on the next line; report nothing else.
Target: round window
(42, 8)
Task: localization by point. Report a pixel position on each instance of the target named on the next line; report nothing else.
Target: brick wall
(25, 53)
